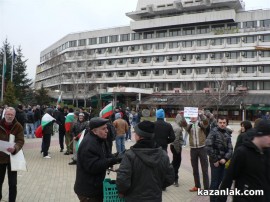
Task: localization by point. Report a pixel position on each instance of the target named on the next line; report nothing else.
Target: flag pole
(3, 75)
(12, 63)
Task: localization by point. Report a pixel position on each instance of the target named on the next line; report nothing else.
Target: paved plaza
(52, 180)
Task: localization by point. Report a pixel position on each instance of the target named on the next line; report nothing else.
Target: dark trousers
(92, 199)
(68, 138)
(12, 181)
(195, 155)
(46, 141)
(217, 174)
(61, 138)
(176, 162)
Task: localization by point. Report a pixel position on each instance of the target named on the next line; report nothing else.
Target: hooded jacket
(143, 172)
(164, 133)
(250, 168)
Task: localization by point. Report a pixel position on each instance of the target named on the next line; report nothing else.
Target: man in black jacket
(60, 120)
(250, 167)
(93, 159)
(164, 133)
(145, 169)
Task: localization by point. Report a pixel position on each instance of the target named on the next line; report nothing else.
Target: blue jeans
(28, 127)
(217, 174)
(128, 134)
(120, 143)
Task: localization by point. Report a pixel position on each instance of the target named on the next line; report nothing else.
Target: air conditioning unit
(260, 38)
(227, 69)
(109, 62)
(243, 68)
(211, 69)
(132, 48)
(243, 53)
(184, 58)
(260, 52)
(109, 50)
(183, 71)
(120, 61)
(243, 39)
(212, 55)
(197, 56)
(99, 51)
(131, 60)
(260, 68)
(212, 42)
(120, 49)
(99, 63)
(144, 60)
(227, 54)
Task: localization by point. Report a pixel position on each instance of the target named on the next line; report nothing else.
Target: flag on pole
(59, 100)
(46, 119)
(81, 135)
(68, 122)
(3, 74)
(106, 111)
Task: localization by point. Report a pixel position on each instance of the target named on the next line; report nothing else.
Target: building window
(264, 85)
(203, 29)
(101, 51)
(248, 54)
(218, 27)
(90, 52)
(251, 85)
(135, 48)
(172, 71)
(265, 38)
(103, 40)
(80, 53)
(124, 37)
(215, 70)
(136, 36)
(265, 23)
(133, 73)
(80, 64)
(249, 39)
(233, 25)
(160, 45)
(203, 42)
(264, 69)
(148, 35)
(201, 70)
(72, 43)
(186, 44)
(233, 40)
(232, 55)
(158, 59)
(202, 56)
(134, 60)
(172, 58)
(189, 31)
(146, 59)
(82, 42)
(145, 72)
(161, 34)
(264, 53)
(233, 69)
(216, 56)
(109, 74)
(173, 45)
(250, 24)
(113, 38)
(217, 42)
(147, 46)
(158, 72)
(121, 74)
(250, 69)
(175, 32)
(186, 57)
(92, 41)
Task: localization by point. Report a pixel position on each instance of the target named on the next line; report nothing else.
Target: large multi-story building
(171, 46)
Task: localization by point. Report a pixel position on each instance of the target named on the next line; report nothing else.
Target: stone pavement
(52, 180)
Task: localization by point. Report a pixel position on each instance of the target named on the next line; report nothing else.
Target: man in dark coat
(93, 159)
(9, 125)
(164, 133)
(145, 169)
(250, 167)
(60, 120)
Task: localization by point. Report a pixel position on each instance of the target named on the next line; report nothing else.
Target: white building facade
(170, 46)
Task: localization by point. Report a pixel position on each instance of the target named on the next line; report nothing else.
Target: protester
(9, 125)
(30, 123)
(250, 167)
(47, 134)
(21, 115)
(68, 136)
(220, 150)
(145, 169)
(121, 127)
(197, 139)
(164, 133)
(77, 128)
(176, 147)
(92, 161)
(60, 120)
(245, 126)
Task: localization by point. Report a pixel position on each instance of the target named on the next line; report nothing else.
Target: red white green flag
(46, 119)
(80, 139)
(68, 122)
(106, 111)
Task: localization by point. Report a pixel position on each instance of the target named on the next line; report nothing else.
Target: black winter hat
(263, 128)
(97, 122)
(145, 129)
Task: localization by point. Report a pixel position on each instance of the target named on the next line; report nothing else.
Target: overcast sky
(37, 24)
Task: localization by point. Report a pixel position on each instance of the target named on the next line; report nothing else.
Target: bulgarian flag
(46, 119)
(68, 122)
(106, 111)
(59, 100)
(80, 140)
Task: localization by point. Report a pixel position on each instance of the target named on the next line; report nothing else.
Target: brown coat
(17, 131)
(121, 126)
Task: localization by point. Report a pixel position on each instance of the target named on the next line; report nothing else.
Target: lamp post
(242, 107)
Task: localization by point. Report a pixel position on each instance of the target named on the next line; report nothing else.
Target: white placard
(191, 111)
(17, 161)
(4, 145)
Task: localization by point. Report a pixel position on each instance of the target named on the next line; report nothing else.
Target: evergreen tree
(42, 97)
(9, 95)
(20, 80)
(29, 97)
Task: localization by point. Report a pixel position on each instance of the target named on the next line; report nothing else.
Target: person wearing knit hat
(145, 169)
(164, 133)
(121, 127)
(93, 159)
(250, 166)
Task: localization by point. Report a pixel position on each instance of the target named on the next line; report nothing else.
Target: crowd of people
(145, 169)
